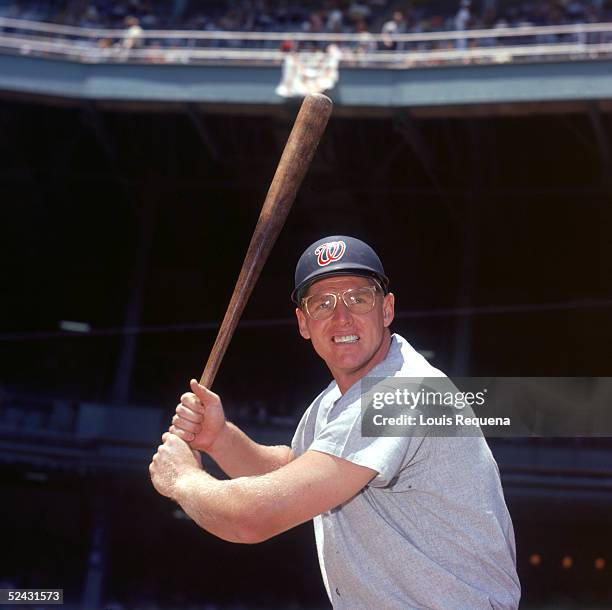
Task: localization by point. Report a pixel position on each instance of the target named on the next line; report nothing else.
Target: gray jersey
(431, 530)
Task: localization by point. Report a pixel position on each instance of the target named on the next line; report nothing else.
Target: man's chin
(348, 365)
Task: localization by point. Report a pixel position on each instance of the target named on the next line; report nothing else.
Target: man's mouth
(345, 338)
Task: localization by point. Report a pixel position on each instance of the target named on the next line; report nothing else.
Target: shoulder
(412, 364)
(330, 393)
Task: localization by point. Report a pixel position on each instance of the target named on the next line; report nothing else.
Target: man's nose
(342, 312)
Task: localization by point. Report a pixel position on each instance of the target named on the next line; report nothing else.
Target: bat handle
(212, 367)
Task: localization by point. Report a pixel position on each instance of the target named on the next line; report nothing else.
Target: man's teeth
(346, 339)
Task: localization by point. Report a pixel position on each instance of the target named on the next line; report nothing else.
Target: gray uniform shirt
(431, 530)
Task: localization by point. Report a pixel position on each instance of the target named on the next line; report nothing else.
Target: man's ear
(301, 318)
(388, 309)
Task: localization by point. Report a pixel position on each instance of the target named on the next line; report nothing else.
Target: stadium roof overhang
(518, 88)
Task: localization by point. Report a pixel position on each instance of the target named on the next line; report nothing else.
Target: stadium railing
(498, 45)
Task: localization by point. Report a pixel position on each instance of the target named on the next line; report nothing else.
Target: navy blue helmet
(336, 255)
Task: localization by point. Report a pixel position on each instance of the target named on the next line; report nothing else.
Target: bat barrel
(295, 160)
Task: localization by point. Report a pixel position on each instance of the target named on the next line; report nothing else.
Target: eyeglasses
(357, 300)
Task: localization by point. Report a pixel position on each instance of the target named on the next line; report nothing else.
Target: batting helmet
(336, 255)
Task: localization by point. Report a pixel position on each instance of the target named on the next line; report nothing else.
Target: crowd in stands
(331, 16)
(362, 17)
(239, 15)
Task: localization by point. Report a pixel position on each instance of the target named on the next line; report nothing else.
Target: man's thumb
(203, 393)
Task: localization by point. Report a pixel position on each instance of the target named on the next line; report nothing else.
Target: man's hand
(173, 459)
(199, 417)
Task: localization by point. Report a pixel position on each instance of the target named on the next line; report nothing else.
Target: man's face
(350, 344)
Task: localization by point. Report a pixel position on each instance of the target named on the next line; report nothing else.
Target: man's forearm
(239, 456)
(253, 509)
(222, 508)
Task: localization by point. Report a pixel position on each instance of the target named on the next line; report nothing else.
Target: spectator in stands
(462, 20)
(359, 12)
(335, 19)
(133, 38)
(395, 25)
(366, 43)
(91, 17)
(314, 24)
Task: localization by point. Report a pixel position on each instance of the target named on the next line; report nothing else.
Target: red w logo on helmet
(330, 252)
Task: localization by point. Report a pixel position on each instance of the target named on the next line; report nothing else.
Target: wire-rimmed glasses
(357, 300)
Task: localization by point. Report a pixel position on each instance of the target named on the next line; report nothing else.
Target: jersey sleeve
(341, 436)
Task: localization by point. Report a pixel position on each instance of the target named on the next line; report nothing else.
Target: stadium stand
(375, 33)
(332, 16)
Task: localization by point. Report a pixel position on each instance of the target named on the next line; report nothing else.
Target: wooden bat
(297, 155)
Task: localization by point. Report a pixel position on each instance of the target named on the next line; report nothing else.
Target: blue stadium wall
(435, 87)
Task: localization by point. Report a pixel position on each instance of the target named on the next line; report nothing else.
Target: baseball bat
(297, 155)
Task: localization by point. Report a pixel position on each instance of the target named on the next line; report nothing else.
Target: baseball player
(410, 522)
